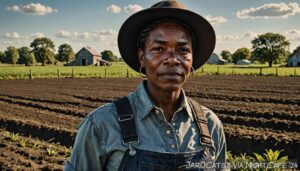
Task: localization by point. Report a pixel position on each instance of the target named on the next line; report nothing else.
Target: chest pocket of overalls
(141, 160)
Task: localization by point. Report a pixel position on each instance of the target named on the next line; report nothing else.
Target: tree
(26, 56)
(65, 53)
(241, 53)
(109, 56)
(23, 53)
(12, 55)
(30, 59)
(226, 55)
(270, 47)
(43, 49)
(2, 57)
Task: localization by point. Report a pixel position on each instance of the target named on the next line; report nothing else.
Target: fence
(104, 72)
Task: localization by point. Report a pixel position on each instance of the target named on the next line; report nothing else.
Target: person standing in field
(157, 127)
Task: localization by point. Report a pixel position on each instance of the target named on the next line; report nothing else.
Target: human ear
(141, 55)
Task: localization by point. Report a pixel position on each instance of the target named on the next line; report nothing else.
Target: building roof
(90, 50)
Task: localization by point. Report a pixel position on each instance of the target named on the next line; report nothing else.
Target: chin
(170, 87)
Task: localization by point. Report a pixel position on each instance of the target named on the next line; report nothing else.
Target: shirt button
(168, 131)
(173, 146)
(156, 111)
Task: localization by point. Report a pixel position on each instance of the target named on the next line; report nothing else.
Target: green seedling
(6, 134)
(14, 137)
(22, 142)
(36, 145)
(51, 151)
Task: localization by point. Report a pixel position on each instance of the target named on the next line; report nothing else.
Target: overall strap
(201, 120)
(126, 121)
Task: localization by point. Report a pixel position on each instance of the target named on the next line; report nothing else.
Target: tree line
(272, 48)
(42, 50)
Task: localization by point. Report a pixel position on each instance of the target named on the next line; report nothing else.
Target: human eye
(157, 49)
(184, 50)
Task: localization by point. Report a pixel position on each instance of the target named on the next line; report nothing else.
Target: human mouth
(172, 74)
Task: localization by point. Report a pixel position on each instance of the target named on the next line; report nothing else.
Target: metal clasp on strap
(125, 117)
(130, 145)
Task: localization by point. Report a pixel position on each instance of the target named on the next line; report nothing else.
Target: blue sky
(95, 23)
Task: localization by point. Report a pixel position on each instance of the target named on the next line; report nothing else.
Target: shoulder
(103, 116)
(210, 115)
(214, 123)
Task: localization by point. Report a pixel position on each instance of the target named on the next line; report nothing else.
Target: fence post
(72, 72)
(276, 71)
(260, 72)
(105, 72)
(127, 73)
(218, 70)
(58, 73)
(30, 74)
(202, 70)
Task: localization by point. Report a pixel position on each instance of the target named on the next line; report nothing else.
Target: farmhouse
(243, 62)
(294, 61)
(88, 56)
(216, 59)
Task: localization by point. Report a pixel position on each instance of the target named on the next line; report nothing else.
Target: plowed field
(257, 113)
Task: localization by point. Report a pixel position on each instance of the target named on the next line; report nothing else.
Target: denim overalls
(142, 160)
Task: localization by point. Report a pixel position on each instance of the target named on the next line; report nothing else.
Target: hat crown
(169, 4)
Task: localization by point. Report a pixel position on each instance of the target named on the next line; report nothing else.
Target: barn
(216, 59)
(243, 62)
(88, 56)
(294, 61)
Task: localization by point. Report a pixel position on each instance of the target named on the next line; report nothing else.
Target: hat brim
(203, 32)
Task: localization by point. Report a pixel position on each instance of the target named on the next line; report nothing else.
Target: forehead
(169, 29)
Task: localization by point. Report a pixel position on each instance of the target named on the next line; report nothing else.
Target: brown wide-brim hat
(204, 37)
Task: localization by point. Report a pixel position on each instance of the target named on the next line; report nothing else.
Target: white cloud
(293, 31)
(13, 35)
(216, 20)
(102, 35)
(37, 35)
(64, 34)
(32, 8)
(271, 10)
(133, 8)
(293, 35)
(223, 38)
(113, 8)
(84, 35)
(250, 34)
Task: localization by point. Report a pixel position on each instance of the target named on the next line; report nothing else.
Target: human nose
(172, 58)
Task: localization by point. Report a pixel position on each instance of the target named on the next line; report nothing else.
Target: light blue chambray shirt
(98, 144)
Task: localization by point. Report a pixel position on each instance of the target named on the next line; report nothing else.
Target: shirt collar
(145, 105)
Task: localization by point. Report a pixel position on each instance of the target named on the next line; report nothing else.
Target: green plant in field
(51, 151)
(271, 159)
(6, 134)
(14, 137)
(36, 145)
(22, 142)
(240, 162)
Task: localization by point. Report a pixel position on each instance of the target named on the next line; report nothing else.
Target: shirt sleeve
(88, 148)
(221, 151)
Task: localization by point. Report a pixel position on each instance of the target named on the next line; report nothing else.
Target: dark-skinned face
(167, 57)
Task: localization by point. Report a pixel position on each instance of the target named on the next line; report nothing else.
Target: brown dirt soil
(257, 113)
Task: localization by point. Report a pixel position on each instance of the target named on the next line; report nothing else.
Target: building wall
(294, 61)
(84, 57)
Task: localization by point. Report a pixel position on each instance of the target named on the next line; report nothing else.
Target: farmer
(157, 127)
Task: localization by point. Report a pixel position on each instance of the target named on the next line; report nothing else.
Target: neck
(169, 101)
